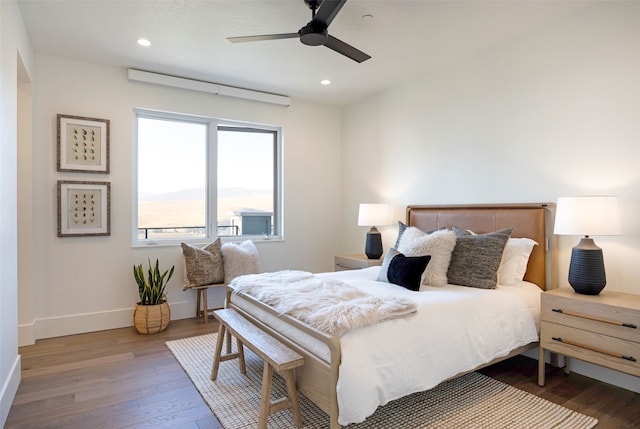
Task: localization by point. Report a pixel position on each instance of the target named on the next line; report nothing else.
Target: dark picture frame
(83, 144)
(84, 208)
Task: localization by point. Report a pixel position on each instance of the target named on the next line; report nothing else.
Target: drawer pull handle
(597, 319)
(595, 349)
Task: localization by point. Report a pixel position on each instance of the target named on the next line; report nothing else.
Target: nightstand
(602, 329)
(355, 262)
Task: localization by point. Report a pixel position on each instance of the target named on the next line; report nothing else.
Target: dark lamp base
(586, 270)
(373, 245)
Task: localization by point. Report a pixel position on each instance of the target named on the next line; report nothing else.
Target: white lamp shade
(587, 216)
(374, 215)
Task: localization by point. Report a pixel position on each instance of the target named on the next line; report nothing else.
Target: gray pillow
(203, 266)
(401, 228)
(476, 258)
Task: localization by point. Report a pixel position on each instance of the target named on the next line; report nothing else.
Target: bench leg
(228, 343)
(265, 401)
(197, 303)
(216, 356)
(205, 306)
(267, 407)
(293, 397)
(243, 368)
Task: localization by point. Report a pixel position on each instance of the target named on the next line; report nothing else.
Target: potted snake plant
(152, 312)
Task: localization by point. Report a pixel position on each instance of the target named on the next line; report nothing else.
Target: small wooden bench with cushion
(276, 356)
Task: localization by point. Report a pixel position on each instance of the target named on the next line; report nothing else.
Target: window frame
(211, 193)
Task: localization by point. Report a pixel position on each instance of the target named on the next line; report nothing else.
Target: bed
(349, 376)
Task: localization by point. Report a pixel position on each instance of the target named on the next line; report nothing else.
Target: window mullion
(212, 179)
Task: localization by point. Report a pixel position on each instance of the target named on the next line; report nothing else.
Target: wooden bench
(276, 356)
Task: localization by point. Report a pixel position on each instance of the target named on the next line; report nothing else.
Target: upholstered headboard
(527, 220)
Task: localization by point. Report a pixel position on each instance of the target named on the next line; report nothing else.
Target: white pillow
(438, 244)
(239, 259)
(514, 261)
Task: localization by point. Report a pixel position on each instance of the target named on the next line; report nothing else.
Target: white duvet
(455, 329)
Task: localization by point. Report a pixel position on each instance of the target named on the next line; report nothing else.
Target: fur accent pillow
(240, 259)
(203, 266)
(438, 244)
(476, 258)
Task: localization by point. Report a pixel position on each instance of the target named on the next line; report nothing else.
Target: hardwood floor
(614, 407)
(120, 379)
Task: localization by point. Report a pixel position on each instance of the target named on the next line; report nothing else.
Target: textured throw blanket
(329, 305)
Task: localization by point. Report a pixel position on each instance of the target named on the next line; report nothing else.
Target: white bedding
(455, 329)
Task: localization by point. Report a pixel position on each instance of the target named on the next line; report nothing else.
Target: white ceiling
(404, 38)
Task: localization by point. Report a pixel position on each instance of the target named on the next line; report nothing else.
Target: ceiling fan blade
(345, 49)
(243, 39)
(327, 11)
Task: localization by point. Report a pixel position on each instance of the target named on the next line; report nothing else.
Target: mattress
(454, 330)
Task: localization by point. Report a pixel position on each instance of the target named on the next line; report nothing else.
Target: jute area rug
(470, 401)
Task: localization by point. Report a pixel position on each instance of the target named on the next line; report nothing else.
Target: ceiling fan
(315, 32)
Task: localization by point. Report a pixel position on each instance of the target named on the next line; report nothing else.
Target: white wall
(82, 284)
(15, 64)
(555, 113)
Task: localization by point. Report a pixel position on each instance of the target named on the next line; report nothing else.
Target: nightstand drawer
(616, 353)
(592, 315)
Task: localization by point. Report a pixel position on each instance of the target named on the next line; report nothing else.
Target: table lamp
(587, 216)
(372, 215)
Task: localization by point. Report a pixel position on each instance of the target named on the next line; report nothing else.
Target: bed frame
(317, 379)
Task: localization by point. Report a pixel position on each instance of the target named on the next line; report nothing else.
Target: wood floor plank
(603, 402)
(119, 379)
(73, 366)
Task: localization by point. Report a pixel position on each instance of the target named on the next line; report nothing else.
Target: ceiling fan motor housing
(311, 36)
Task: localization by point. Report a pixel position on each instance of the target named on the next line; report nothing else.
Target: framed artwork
(83, 144)
(84, 208)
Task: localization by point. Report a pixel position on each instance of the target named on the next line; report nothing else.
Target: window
(201, 178)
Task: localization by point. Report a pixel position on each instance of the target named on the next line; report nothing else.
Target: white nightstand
(355, 262)
(602, 329)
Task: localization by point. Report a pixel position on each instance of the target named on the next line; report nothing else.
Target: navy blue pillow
(406, 271)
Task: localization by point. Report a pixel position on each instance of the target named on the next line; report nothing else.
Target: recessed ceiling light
(144, 42)
(325, 82)
(367, 17)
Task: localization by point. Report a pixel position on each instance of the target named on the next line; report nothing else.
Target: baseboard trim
(26, 334)
(102, 320)
(9, 390)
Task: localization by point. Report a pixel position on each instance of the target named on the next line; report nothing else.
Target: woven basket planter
(150, 319)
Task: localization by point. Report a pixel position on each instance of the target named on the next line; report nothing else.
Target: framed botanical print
(84, 208)
(83, 144)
